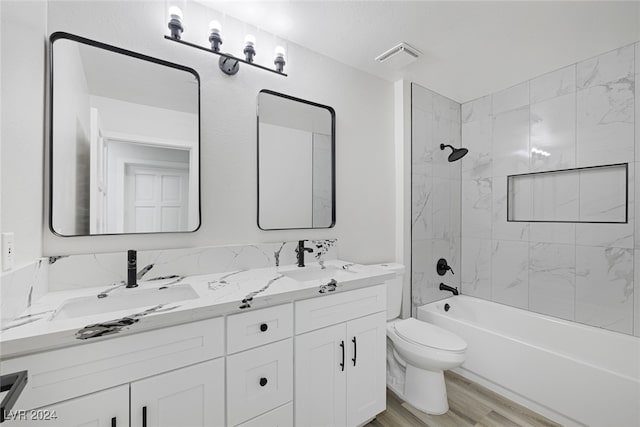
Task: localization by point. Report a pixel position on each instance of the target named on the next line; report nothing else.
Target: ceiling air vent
(399, 56)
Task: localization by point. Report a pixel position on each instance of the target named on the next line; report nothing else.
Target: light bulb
(175, 13)
(279, 61)
(214, 35)
(249, 40)
(215, 27)
(249, 50)
(175, 22)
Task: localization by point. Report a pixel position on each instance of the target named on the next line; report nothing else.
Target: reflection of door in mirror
(155, 198)
(119, 118)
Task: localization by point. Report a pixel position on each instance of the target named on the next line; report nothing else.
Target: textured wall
(585, 114)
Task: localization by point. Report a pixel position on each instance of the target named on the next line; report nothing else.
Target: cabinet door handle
(113, 422)
(144, 416)
(342, 364)
(355, 351)
(264, 327)
(263, 382)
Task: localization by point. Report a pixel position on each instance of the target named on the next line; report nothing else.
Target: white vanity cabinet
(340, 369)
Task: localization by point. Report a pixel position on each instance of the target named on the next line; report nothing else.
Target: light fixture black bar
(206, 49)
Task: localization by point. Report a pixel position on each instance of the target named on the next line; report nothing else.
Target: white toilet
(425, 350)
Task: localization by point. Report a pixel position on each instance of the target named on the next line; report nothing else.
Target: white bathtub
(571, 373)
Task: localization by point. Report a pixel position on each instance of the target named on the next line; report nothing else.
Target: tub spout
(451, 289)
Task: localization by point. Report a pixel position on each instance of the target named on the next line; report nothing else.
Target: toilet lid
(429, 335)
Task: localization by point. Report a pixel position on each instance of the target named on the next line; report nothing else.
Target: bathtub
(571, 373)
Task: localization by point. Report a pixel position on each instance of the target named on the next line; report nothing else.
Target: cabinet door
(366, 372)
(187, 397)
(107, 408)
(320, 367)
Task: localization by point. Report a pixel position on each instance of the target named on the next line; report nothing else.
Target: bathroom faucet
(451, 289)
(300, 252)
(131, 269)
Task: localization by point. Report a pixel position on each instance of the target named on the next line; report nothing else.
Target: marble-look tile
(605, 128)
(552, 279)
(446, 108)
(636, 293)
(445, 208)
(604, 287)
(478, 109)
(421, 136)
(421, 202)
(552, 232)
(421, 98)
(556, 83)
(476, 208)
(636, 206)
(509, 273)
(511, 142)
(20, 287)
(476, 137)
(509, 99)
(637, 99)
(476, 267)
(421, 272)
(500, 228)
(555, 196)
(607, 68)
(553, 134)
(611, 235)
(446, 132)
(603, 194)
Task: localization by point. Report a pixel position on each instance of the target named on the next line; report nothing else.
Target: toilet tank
(394, 288)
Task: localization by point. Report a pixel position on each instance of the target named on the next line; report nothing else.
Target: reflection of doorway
(155, 198)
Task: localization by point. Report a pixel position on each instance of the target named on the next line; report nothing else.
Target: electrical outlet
(8, 251)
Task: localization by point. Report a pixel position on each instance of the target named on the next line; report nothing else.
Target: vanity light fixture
(214, 35)
(249, 49)
(175, 22)
(228, 63)
(279, 60)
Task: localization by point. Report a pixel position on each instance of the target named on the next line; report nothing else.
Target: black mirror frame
(333, 159)
(68, 36)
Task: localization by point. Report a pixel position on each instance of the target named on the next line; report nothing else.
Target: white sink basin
(304, 274)
(124, 300)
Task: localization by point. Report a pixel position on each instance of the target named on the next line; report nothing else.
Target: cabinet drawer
(281, 417)
(255, 328)
(259, 380)
(317, 313)
(82, 369)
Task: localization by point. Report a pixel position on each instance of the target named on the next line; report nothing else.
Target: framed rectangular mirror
(296, 163)
(124, 153)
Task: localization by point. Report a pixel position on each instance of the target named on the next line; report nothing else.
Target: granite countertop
(43, 327)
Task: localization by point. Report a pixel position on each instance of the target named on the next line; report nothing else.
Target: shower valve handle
(442, 267)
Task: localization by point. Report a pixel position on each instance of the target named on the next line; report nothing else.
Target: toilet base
(426, 390)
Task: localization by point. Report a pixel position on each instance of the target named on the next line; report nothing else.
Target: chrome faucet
(300, 252)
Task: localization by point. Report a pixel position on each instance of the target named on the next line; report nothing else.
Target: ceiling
(470, 48)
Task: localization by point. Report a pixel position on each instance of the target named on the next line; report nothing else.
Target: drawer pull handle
(342, 364)
(355, 351)
(264, 327)
(113, 422)
(144, 416)
(263, 382)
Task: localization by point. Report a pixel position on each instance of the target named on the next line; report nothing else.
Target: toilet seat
(428, 335)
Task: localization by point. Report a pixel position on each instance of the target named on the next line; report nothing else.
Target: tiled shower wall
(435, 194)
(582, 115)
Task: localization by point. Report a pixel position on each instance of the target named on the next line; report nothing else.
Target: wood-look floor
(469, 405)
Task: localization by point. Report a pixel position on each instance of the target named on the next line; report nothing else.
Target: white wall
(364, 127)
(23, 52)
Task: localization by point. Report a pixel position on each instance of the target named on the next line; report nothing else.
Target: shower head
(456, 153)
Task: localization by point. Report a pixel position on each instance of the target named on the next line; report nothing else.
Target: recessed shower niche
(596, 194)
